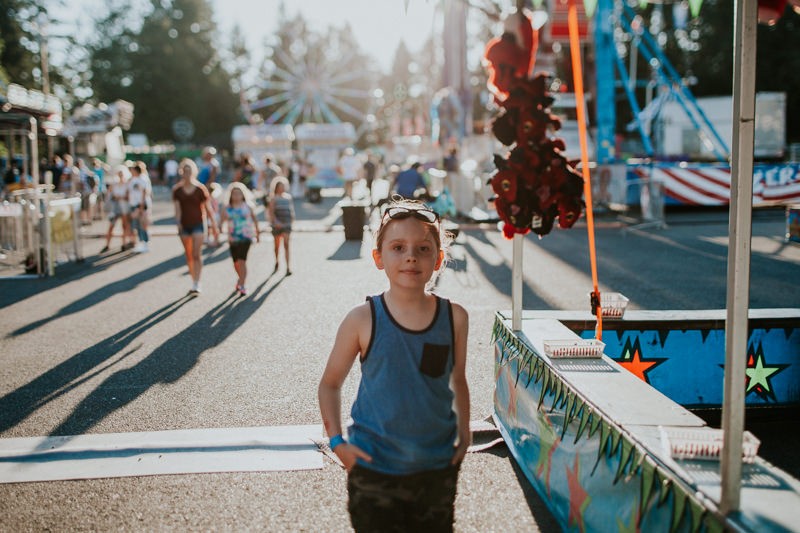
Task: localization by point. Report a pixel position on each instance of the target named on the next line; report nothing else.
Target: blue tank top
(204, 173)
(403, 413)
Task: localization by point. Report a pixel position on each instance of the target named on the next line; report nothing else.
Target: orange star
(634, 363)
(578, 497)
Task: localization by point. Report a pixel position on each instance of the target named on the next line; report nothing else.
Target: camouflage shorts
(416, 502)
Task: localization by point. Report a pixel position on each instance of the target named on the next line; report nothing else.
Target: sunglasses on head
(400, 212)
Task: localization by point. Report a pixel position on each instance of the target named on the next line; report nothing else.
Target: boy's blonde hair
(441, 237)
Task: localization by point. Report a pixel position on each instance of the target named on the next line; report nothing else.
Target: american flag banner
(708, 184)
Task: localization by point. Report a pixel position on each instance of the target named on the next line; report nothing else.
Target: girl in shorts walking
(192, 211)
(119, 207)
(410, 419)
(281, 216)
(240, 215)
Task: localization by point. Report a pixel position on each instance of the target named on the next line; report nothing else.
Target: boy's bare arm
(343, 354)
(346, 348)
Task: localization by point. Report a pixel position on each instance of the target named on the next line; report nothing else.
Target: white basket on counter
(703, 443)
(574, 348)
(613, 304)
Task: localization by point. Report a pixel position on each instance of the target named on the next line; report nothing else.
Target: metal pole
(516, 284)
(34, 138)
(740, 230)
(34, 198)
(516, 266)
(26, 169)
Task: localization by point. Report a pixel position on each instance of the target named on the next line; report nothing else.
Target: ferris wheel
(311, 88)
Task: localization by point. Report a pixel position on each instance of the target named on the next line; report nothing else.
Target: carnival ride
(682, 180)
(310, 88)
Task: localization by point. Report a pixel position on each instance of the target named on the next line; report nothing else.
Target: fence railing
(33, 242)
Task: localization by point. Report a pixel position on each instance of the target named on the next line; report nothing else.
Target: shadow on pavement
(305, 210)
(497, 275)
(72, 271)
(17, 405)
(644, 265)
(104, 292)
(164, 220)
(168, 362)
(214, 254)
(347, 251)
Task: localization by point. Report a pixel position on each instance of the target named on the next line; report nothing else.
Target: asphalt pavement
(113, 344)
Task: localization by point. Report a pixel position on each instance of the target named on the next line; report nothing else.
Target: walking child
(140, 192)
(216, 192)
(119, 208)
(410, 419)
(281, 216)
(192, 211)
(207, 174)
(240, 215)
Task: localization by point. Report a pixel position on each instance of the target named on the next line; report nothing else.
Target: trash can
(314, 191)
(353, 217)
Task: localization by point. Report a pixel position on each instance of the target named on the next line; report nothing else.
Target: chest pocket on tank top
(434, 359)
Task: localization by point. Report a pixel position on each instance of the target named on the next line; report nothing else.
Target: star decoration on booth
(758, 375)
(512, 394)
(578, 497)
(632, 360)
(632, 526)
(549, 442)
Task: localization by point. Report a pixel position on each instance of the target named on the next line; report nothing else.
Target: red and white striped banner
(698, 184)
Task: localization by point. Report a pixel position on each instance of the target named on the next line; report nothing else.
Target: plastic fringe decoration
(697, 513)
(586, 413)
(568, 413)
(595, 424)
(624, 459)
(678, 508)
(545, 387)
(647, 481)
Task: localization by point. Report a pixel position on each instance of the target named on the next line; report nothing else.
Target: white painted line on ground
(186, 451)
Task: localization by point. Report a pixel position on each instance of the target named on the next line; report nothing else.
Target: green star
(759, 374)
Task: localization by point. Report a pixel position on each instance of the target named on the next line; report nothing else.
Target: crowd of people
(209, 198)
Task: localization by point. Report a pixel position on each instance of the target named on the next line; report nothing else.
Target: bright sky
(378, 25)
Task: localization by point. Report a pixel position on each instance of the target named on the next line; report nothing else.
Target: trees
(778, 66)
(168, 68)
(19, 45)
(777, 63)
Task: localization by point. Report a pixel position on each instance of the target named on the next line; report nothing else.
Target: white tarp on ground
(186, 451)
